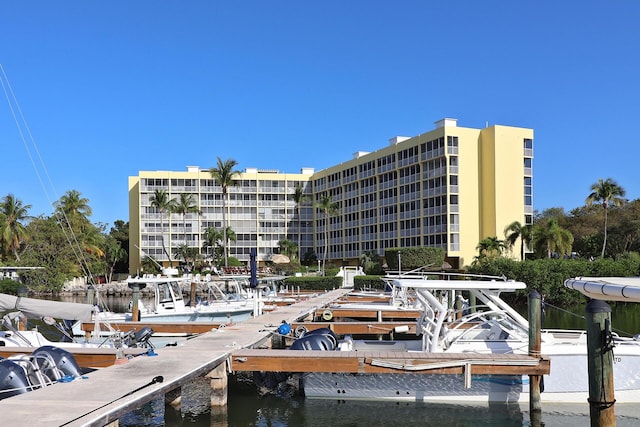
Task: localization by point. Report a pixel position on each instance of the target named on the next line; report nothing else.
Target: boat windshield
(167, 291)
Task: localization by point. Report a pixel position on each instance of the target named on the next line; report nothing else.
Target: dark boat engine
(13, 379)
(50, 359)
(140, 338)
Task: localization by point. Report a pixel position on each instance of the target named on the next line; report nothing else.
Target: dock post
(535, 381)
(600, 364)
(135, 313)
(91, 291)
(218, 380)
(192, 294)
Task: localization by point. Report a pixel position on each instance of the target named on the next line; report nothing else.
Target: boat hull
(196, 316)
(567, 383)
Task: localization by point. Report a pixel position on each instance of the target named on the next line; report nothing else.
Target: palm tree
(74, 209)
(328, 208)
(490, 247)
(607, 192)
(212, 237)
(72, 202)
(552, 238)
(73, 212)
(515, 231)
(224, 174)
(183, 206)
(288, 248)
(161, 201)
(230, 236)
(12, 232)
(299, 198)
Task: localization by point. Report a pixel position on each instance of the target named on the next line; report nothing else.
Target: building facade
(450, 187)
(260, 209)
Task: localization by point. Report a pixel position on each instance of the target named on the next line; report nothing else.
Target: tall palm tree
(328, 208)
(73, 212)
(299, 198)
(74, 209)
(552, 238)
(225, 175)
(608, 192)
(184, 205)
(161, 201)
(515, 231)
(12, 232)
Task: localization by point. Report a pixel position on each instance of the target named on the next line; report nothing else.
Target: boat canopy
(607, 288)
(445, 285)
(37, 308)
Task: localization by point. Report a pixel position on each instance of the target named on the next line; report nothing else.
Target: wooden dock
(106, 395)
(386, 362)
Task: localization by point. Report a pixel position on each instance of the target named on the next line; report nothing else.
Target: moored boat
(489, 327)
(169, 305)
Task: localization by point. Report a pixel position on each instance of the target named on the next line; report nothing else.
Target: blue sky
(111, 88)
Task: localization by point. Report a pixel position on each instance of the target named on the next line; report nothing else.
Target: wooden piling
(135, 312)
(535, 381)
(600, 364)
(219, 385)
(91, 291)
(192, 294)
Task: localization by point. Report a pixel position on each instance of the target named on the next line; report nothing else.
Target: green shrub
(8, 286)
(368, 282)
(547, 276)
(412, 258)
(314, 283)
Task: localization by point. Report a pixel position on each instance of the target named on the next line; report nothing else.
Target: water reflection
(625, 318)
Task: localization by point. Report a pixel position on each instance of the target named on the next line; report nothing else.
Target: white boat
(11, 337)
(266, 289)
(49, 311)
(169, 305)
(491, 327)
(18, 344)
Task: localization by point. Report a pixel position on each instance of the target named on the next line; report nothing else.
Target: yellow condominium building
(450, 187)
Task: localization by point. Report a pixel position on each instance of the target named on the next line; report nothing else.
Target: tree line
(608, 225)
(66, 244)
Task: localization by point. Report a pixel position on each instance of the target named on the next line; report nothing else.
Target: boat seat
(496, 332)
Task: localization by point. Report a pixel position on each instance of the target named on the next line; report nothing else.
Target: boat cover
(607, 288)
(37, 308)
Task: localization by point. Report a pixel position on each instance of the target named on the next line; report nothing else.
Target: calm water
(246, 408)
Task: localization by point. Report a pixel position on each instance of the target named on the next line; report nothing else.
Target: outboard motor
(62, 360)
(140, 338)
(13, 379)
(318, 339)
